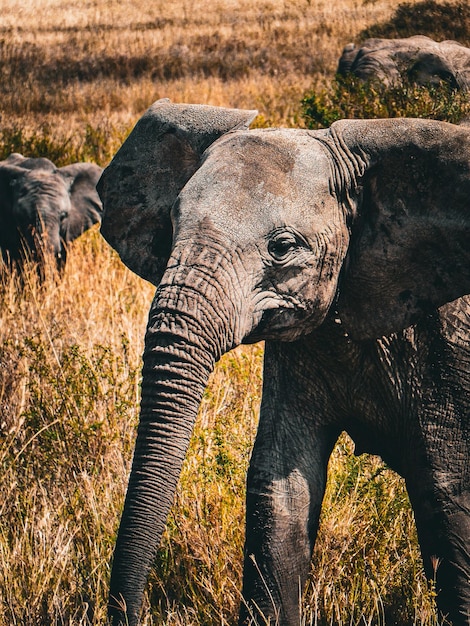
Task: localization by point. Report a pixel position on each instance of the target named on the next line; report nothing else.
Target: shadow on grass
(438, 20)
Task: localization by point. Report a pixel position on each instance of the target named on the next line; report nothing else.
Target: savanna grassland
(74, 78)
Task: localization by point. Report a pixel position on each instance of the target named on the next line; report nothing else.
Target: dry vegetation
(74, 77)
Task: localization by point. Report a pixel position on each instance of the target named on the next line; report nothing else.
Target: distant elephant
(419, 58)
(347, 250)
(43, 208)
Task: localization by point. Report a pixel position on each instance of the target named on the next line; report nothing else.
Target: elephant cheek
(299, 305)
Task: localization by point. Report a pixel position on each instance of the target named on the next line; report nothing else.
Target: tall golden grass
(74, 78)
(71, 65)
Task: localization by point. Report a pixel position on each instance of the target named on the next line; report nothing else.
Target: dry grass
(69, 65)
(69, 370)
(74, 78)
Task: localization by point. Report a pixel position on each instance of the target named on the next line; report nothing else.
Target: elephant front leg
(297, 430)
(277, 549)
(283, 506)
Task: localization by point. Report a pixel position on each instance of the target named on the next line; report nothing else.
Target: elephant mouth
(283, 319)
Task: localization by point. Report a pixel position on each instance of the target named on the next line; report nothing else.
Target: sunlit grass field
(74, 78)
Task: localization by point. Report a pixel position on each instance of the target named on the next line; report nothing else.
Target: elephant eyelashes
(283, 245)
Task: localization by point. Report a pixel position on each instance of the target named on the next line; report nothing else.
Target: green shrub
(351, 97)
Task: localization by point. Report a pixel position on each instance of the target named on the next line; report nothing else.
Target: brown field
(74, 78)
(69, 72)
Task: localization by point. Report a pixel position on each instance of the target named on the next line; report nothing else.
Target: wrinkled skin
(419, 58)
(346, 249)
(43, 208)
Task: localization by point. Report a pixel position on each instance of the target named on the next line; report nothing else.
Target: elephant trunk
(180, 353)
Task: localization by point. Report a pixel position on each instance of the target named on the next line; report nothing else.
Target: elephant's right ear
(143, 180)
(9, 175)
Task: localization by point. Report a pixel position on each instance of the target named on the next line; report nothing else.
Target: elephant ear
(86, 207)
(9, 174)
(11, 170)
(410, 240)
(146, 175)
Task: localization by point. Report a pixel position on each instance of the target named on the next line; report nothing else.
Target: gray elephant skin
(43, 208)
(420, 59)
(347, 250)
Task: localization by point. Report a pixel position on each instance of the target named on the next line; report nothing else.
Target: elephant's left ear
(142, 182)
(86, 204)
(410, 239)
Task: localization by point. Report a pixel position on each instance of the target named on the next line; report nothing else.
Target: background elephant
(42, 207)
(422, 60)
(346, 249)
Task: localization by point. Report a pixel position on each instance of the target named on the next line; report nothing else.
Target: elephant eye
(63, 215)
(281, 245)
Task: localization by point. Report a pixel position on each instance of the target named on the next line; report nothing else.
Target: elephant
(421, 59)
(346, 250)
(43, 208)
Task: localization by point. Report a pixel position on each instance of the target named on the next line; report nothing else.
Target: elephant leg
(281, 520)
(439, 489)
(285, 488)
(443, 526)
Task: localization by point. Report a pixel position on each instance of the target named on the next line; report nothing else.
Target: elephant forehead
(43, 187)
(258, 180)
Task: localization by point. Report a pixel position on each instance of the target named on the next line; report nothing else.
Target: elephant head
(422, 60)
(266, 234)
(42, 208)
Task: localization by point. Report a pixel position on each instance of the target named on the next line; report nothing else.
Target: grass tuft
(97, 143)
(350, 97)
